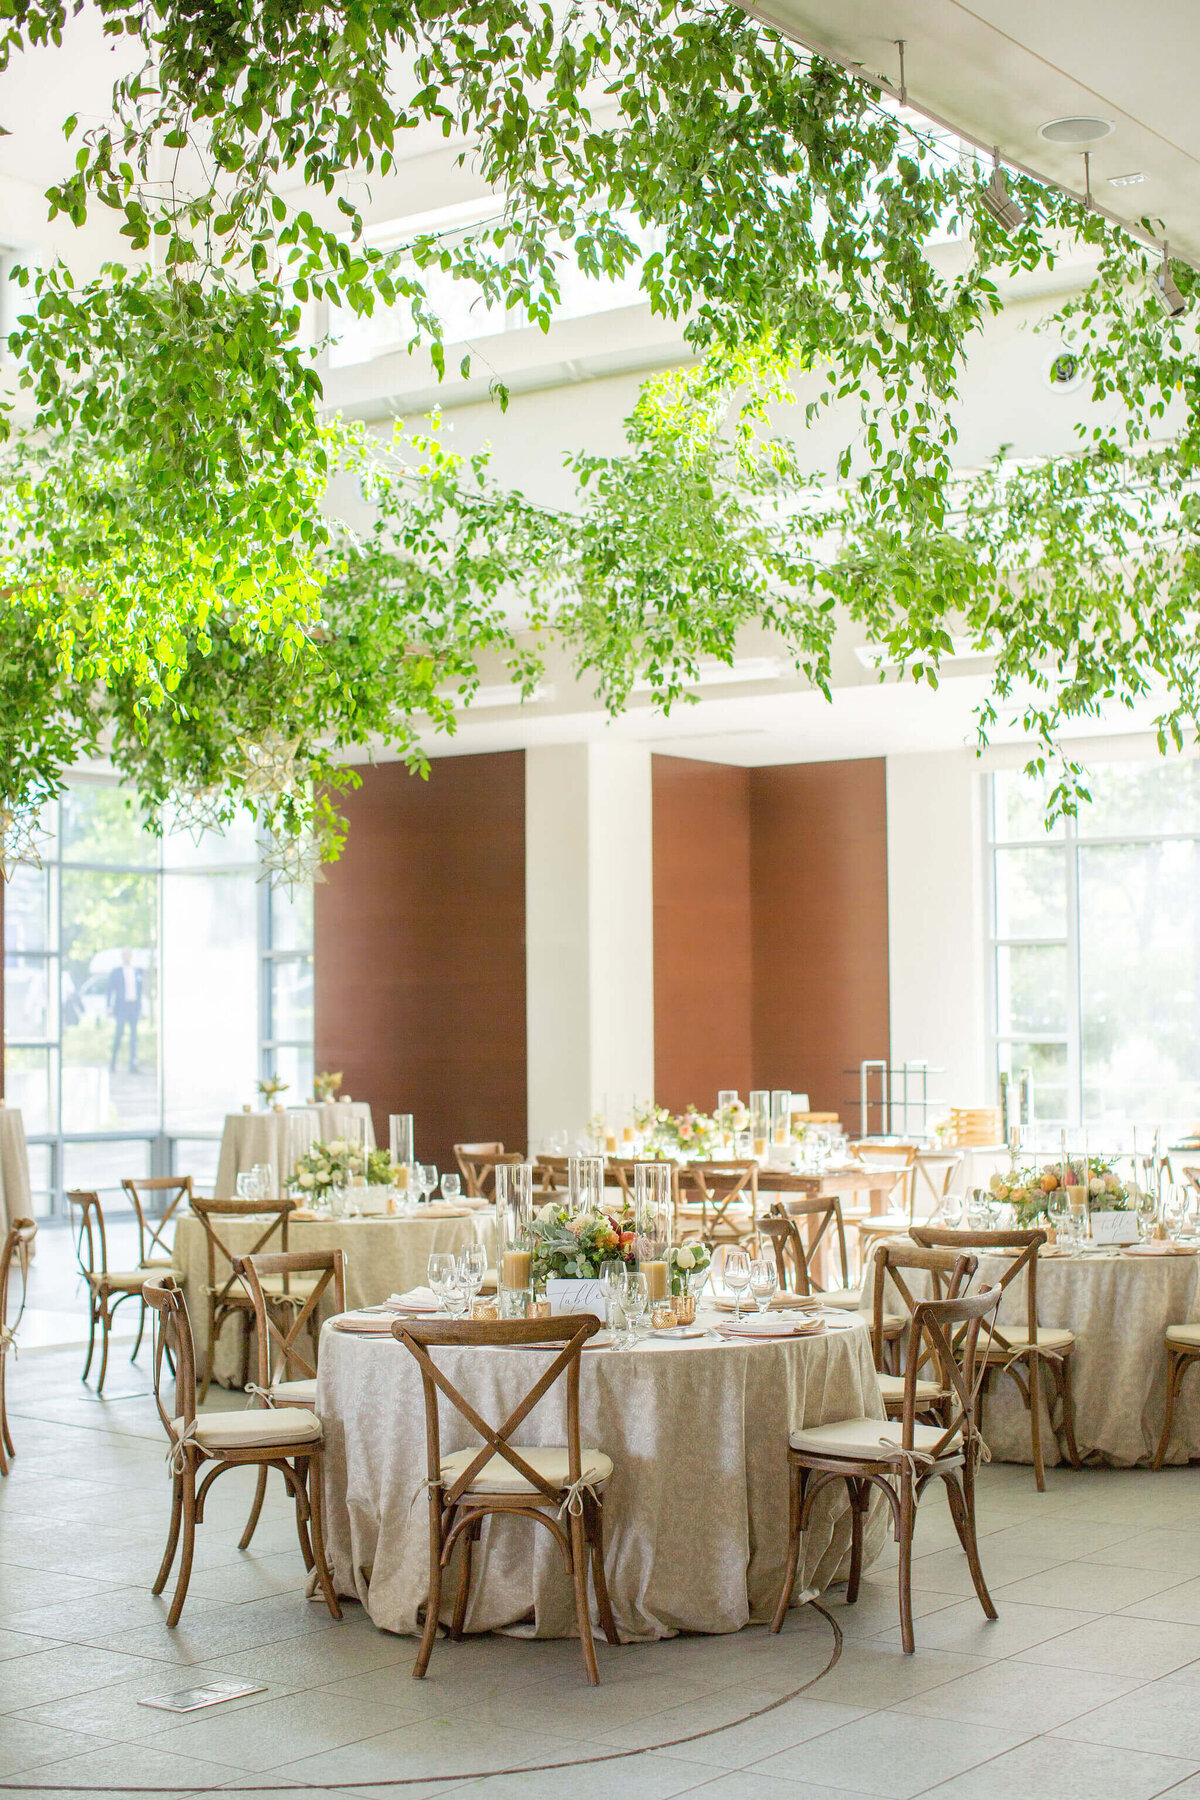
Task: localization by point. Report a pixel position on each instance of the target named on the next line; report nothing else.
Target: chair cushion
(499, 1477)
(130, 1281)
(1049, 1337)
(260, 1428)
(865, 1440)
(849, 1297)
(1186, 1335)
(894, 1324)
(295, 1393)
(892, 1389)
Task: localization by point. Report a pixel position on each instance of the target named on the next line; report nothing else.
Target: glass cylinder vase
(585, 1184)
(760, 1119)
(652, 1225)
(781, 1116)
(514, 1237)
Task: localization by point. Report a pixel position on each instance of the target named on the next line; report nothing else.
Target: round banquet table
(696, 1511)
(1118, 1306)
(383, 1256)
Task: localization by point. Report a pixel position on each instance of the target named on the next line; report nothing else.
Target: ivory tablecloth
(695, 1515)
(1118, 1307)
(14, 1168)
(334, 1115)
(257, 1137)
(383, 1256)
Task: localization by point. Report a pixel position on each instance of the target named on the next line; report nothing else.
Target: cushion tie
(572, 1501)
(427, 1482)
(258, 1393)
(177, 1452)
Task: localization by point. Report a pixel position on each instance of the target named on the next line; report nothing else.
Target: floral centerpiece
(326, 1084)
(680, 1136)
(572, 1246)
(271, 1086)
(336, 1164)
(1030, 1191)
(688, 1263)
(733, 1119)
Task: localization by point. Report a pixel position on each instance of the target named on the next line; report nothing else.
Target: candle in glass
(781, 1116)
(727, 1099)
(400, 1146)
(514, 1220)
(760, 1119)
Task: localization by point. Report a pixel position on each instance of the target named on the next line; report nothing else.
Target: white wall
(937, 920)
(589, 931)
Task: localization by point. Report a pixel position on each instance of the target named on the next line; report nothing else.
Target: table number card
(576, 1297)
(1114, 1228)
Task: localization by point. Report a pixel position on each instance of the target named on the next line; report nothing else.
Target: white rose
(304, 1181)
(1112, 1183)
(685, 1258)
(546, 1213)
(994, 1184)
(1096, 1184)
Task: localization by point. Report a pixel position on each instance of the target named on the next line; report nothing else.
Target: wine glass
(265, 1172)
(458, 1296)
(1057, 1209)
(440, 1272)
(1147, 1211)
(764, 1279)
(247, 1185)
(427, 1176)
(1175, 1209)
(736, 1274)
(612, 1279)
(451, 1187)
(635, 1300)
(472, 1267)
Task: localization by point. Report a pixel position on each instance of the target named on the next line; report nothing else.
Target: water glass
(427, 1176)
(458, 1298)
(337, 1201)
(247, 1185)
(472, 1267)
(764, 1280)
(451, 1187)
(612, 1279)
(267, 1188)
(1147, 1212)
(440, 1272)
(635, 1301)
(735, 1271)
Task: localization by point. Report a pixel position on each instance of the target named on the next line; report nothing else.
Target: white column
(589, 931)
(937, 922)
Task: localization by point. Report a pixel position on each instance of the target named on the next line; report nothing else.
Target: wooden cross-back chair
(721, 1199)
(14, 1253)
(1023, 1352)
(550, 1175)
(289, 1439)
(153, 1251)
(107, 1288)
(898, 1167)
(792, 1264)
(950, 1274)
(899, 1457)
(285, 1340)
(225, 1292)
(557, 1487)
(479, 1162)
(822, 1217)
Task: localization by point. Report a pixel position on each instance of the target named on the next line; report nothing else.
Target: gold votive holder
(538, 1309)
(662, 1314)
(685, 1309)
(488, 1310)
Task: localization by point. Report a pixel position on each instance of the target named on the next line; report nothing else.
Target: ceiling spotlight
(1132, 180)
(1007, 213)
(1075, 132)
(1169, 295)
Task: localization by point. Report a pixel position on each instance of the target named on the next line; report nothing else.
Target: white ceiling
(998, 69)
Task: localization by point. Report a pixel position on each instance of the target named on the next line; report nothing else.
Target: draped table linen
(695, 1514)
(271, 1137)
(1119, 1307)
(383, 1256)
(334, 1116)
(15, 1200)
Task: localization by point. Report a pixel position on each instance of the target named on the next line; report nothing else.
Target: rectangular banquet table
(383, 1256)
(696, 1512)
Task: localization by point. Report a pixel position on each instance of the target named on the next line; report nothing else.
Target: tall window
(138, 1004)
(1096, 945)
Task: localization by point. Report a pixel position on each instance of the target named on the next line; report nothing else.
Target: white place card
(576, 1297)
(1114, 1228)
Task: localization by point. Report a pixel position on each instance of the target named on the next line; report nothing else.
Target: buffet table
(695, 1515)
(383, 1256)
(15, 1201)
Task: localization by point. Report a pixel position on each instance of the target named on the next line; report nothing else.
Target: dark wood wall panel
(702, 933)
(820, 916)
(420, 951)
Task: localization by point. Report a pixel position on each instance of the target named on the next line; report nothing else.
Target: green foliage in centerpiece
(679, 1137)
(336, 1163)
(567, 1245)
(1030, 1191)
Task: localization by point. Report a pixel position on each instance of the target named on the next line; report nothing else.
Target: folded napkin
(442, 1209)
(1159, 1247)
(779, 1303)
(418, 1299)
(772, 1328)
(369, 1324)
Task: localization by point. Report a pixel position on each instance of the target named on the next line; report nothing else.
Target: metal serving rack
(894, 1099)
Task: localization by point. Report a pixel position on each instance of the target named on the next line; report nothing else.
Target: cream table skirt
(1118, 1307)
(14, 1168)
(383, 1256)
(333, 1117)
(695, 1515)
(263, 1137)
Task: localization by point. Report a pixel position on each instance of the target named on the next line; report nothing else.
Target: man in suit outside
(125, 1007)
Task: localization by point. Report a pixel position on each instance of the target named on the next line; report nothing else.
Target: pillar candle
(656, 1279)
(516, 1269)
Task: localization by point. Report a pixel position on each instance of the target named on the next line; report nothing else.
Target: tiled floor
(1088, 1687)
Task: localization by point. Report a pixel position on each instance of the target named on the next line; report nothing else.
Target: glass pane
(197, 1157)
(27, 924)
(1031, 893)
(1031, 988)
(292, 919)
(1019, 806)
(39, 1179)
(210, 997)
(103, 824)
(28, 1084)
(29, 997)
(103, 1167)
(184, 848)
(110, 1027)
(1139, 966)
(293, 1063)
(1139, 798)
(1048, 1066)
(291, 999)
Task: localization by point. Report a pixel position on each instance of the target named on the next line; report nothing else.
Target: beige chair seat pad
(551, 1462)
(892, 1389)
(1049, 1337)
(295, 1393)
(1186, 1336)
(865, 1440)
(849, 1297)
(299, 1287)
(131, 1281)
(262, 1427)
